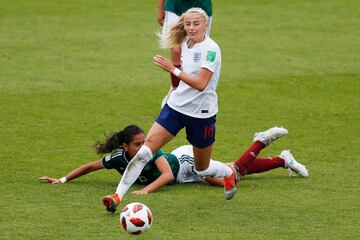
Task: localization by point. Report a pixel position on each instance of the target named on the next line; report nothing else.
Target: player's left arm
(219, 182)
(166, 177)
(198, 82)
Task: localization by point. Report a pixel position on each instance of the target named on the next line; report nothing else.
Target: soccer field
(72, 70)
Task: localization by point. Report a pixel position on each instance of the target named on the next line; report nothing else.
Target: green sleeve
(115, 160)
(158, 154)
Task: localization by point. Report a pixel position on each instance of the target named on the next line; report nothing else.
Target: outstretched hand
(140, 192)
(163, 63)
(49, 180)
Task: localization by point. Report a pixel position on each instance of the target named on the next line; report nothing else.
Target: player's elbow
(201, 86)
(170, 177)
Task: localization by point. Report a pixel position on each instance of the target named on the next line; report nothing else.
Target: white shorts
(186, 173)
(171, 19)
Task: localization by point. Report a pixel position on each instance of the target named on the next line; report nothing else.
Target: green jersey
(119, 160)
(180, 6)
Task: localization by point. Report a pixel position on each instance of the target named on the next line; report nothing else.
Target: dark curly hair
(114, 140)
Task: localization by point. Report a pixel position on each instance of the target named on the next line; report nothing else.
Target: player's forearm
(82, 170)
(78, 172)
(198, 82)
(215, 181)
(194, 81)
(161, 181)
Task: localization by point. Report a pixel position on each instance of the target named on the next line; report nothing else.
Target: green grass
(72, 70)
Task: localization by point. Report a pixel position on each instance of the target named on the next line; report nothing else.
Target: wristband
(176, 72)
(63, 180)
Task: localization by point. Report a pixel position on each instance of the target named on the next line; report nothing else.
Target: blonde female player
(193, 106)
(169, 12)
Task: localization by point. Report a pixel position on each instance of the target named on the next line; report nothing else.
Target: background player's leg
(259, 165)
(248, 157)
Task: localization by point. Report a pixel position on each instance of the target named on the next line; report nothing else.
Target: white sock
(133, 170)
(216, 169)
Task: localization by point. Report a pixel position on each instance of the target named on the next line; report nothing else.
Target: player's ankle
(117, 198)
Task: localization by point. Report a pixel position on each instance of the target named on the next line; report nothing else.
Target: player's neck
(192, 42)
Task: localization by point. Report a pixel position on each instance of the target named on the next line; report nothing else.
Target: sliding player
(174, 168)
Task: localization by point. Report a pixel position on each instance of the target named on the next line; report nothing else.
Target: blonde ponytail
(177, 34)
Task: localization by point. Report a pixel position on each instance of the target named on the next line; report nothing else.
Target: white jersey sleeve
(211, 61)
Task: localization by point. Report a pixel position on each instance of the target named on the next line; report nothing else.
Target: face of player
(195, 26)
(135, 144)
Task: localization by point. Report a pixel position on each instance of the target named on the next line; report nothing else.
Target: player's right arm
(78, 172)
(166, 177)
(161, 13)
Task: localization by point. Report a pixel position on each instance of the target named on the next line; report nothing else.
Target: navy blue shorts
(200, 132)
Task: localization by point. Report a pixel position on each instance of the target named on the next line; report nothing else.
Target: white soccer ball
(136, 218)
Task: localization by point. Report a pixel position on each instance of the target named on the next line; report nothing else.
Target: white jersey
(187, 172)
(188, 100)
(185, 156)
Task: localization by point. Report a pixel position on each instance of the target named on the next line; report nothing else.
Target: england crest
(197, 56)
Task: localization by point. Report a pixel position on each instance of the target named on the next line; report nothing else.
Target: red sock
(265, 164)
(248, 157)
(174, 79)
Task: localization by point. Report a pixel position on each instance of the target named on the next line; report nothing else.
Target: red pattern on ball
(149, 216)
(137, 208)
(123, 223)
(137, 222)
